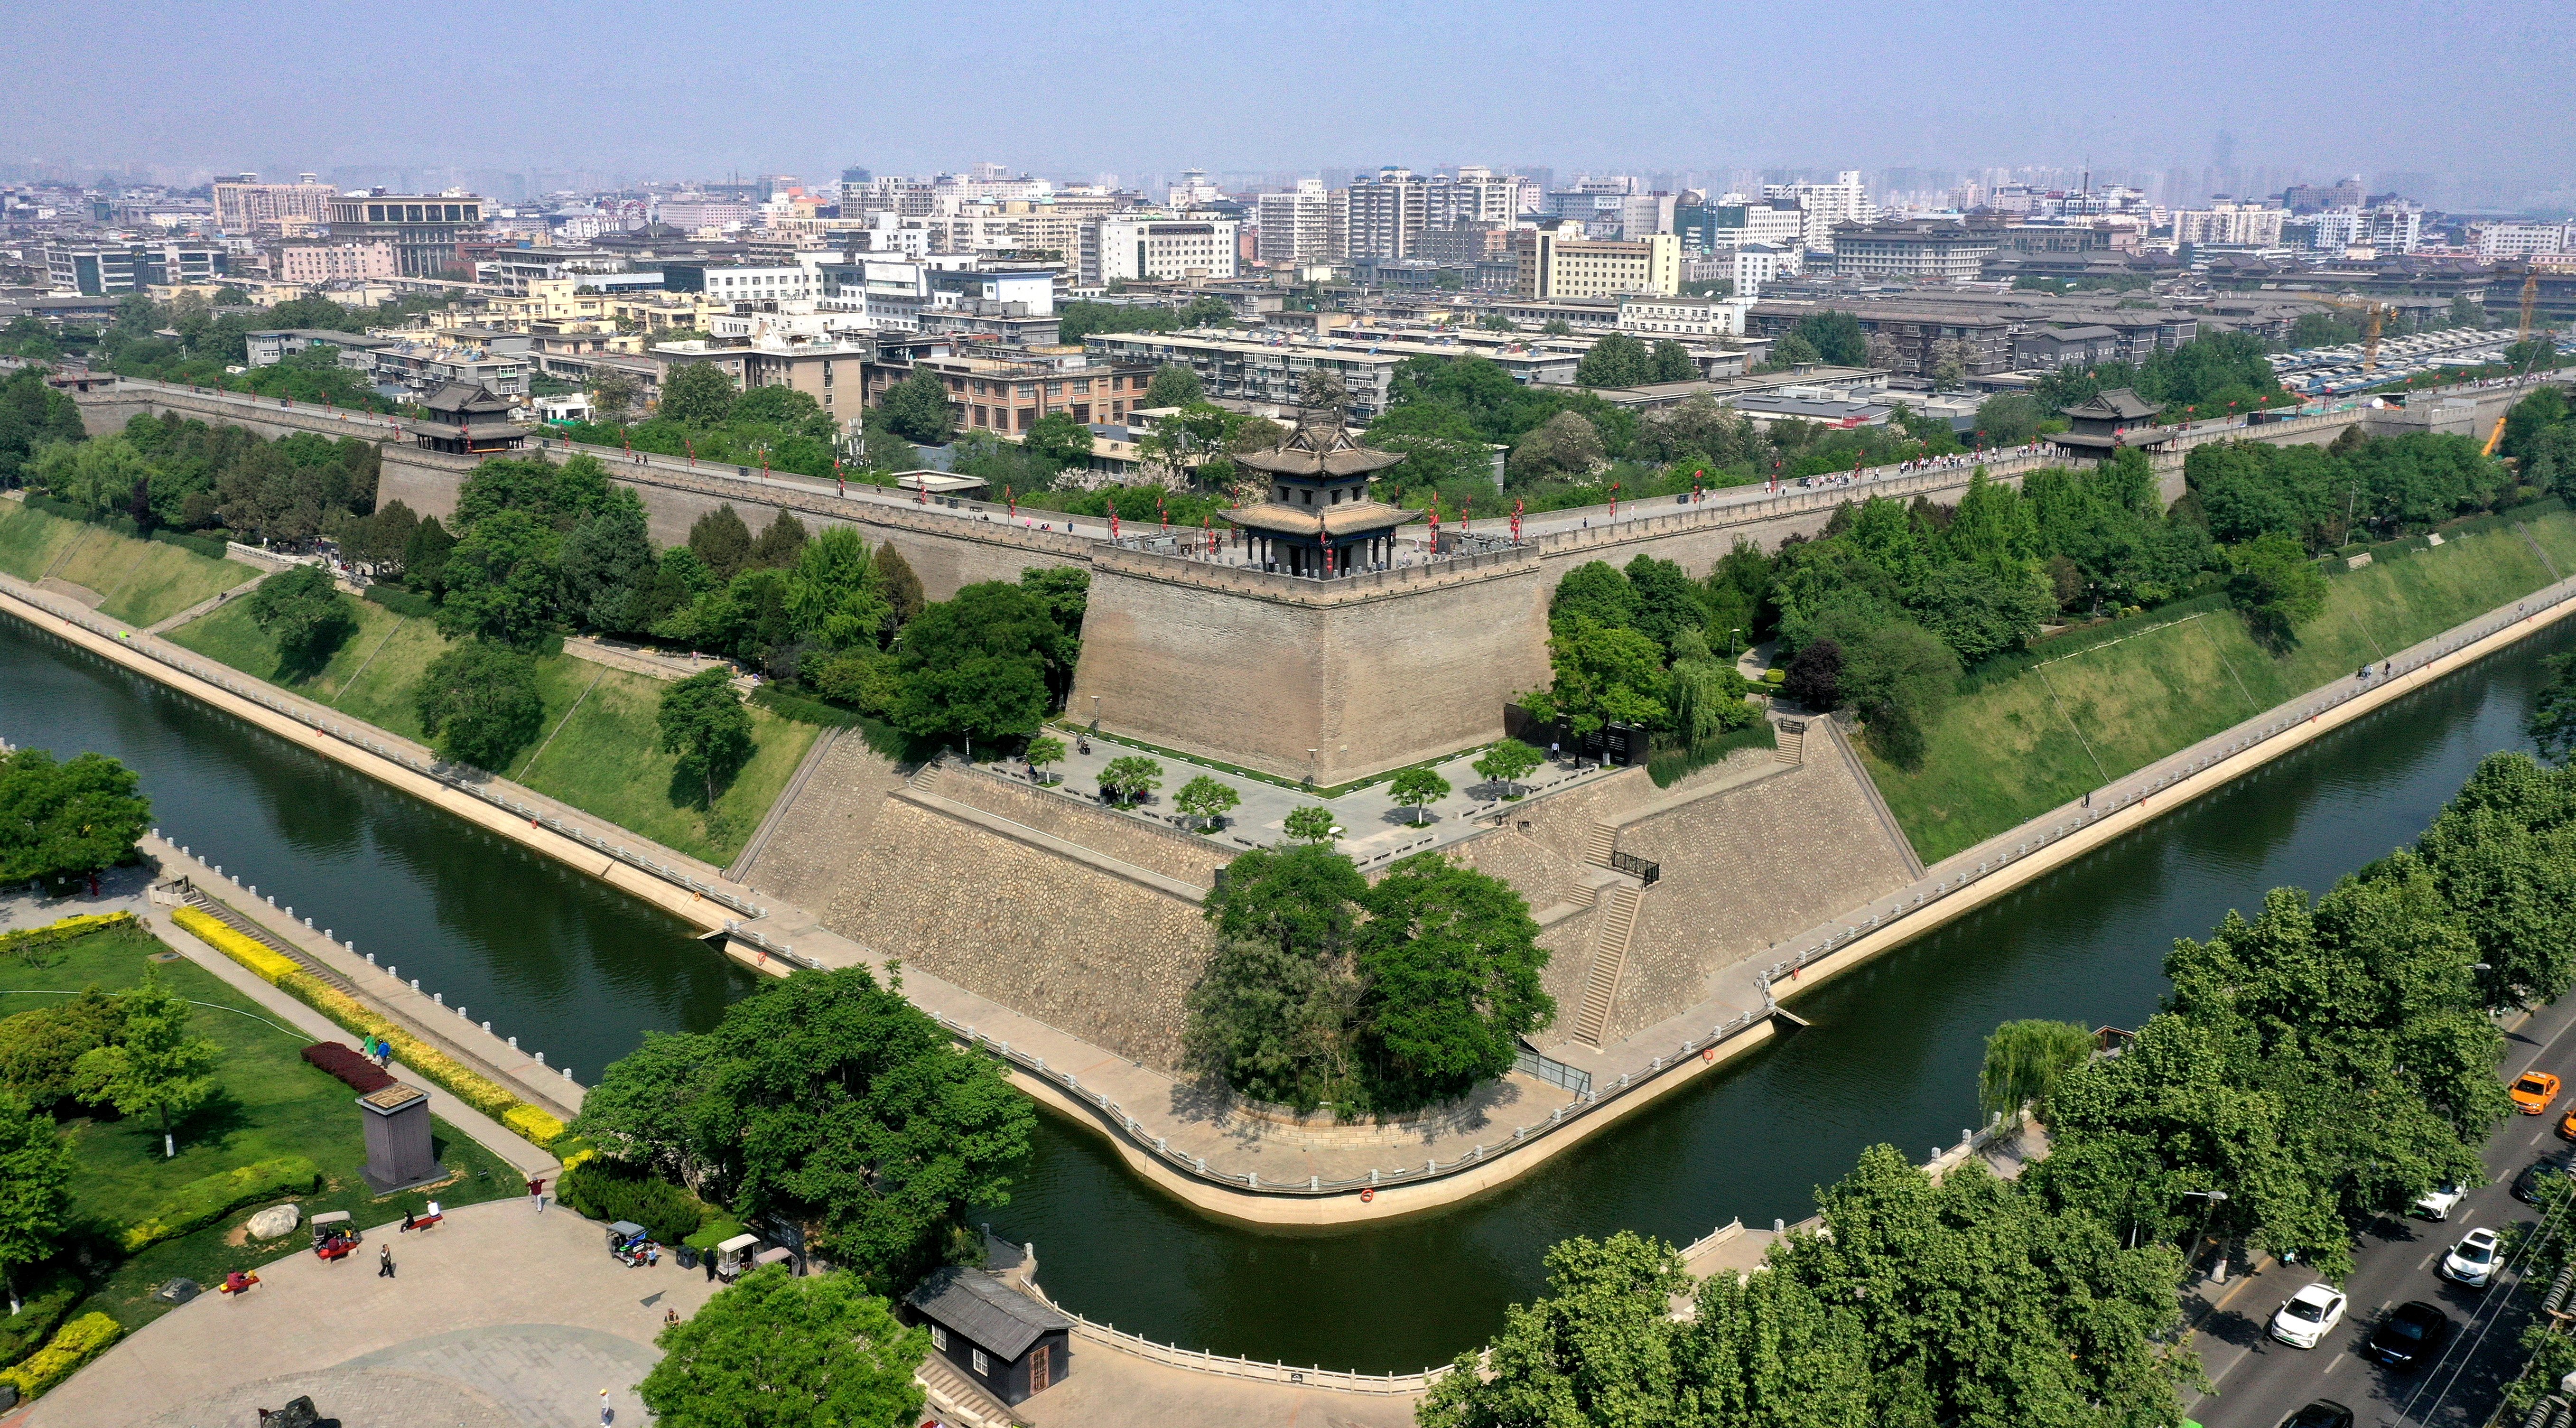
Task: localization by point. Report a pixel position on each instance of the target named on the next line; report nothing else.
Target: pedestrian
(670, 1318)
(607, 1414)
(710, 1263)
(385, 1260)
(537, 1192)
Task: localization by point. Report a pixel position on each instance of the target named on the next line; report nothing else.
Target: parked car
(2308, 1315)
(2567, 1124)
(2473, 1260)
(2409, 1336)
(2324, 1413)
(2526, 1186)
(2532, 1091)
(2439, 1204)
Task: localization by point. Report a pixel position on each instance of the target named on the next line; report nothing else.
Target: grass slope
(604, 761)
(268, 1104)
(2020, 746)
(142, 581)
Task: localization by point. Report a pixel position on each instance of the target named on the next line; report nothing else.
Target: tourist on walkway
(385, 1260)
(537, 1192)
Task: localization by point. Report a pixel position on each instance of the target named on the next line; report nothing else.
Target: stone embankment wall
(1104, 957)
(809, 855)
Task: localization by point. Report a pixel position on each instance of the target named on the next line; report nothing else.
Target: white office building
(1295, 225)
(1134, 249)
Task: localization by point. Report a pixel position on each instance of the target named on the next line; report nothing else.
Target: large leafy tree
(66, 820)
(699, 394)
(979, 665)
(917, 409)
(783, 1352)
(831, 1101)
(1450, 963)
(705, 728)
(35, 1191)
(503, 580)
(479, 702)
(154, 1067)
(304, 614)
(2552, 723)
(1304, 899)
(1835, 336)
(1616, 360)
(1173, 386)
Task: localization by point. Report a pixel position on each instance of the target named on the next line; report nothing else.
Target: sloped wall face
(1367, 684)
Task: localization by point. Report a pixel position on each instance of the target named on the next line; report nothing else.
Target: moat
(581, 972)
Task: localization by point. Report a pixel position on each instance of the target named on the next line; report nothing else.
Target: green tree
(1305, 899)
(2552, 724)
(1556, 327)
(1792, 350)
(1043, 751)
(703, 724)
(831, 1101)
(607, 567)
(1130, 777)
(917, 409)
(1274, 1022)
(2276, 586)
(979, 665)
(1566, 446)
(781, 541)
(1600, 1348)
(1173, 386)
(1616, 360)
(503, 581)
(698, 394)
(67, 820)
(1507, 763)
(1060, 439)
(782, 1352)
(154, 1067)
(1206, 799)
(1604, 675)
(35, 1191)
(835, 592)
(1311, 824)
(1836, 337)
(1417, 788)
(1451, 962)
(304, 615)
(2024, 1060)
(902, 589)
(479, 702)
(721, 540)
(612, 395)
(1671, 362)
(2008, 418)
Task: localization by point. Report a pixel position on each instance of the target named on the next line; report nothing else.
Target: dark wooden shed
(1001, 1340)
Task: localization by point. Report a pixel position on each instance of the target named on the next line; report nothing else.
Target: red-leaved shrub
(341, 1061)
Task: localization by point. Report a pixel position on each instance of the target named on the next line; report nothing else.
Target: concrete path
(498, 1316)
(210, 602)
(1110, 1389)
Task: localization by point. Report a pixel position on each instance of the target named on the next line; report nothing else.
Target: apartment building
(1295, 225)
(1773, 222)
(824, 368)
(1252, 370)
(1378, 215)
(424, 229)
(1822, 206)
(1915, 338)
(1659, 316)
(2230, 225)
(333, 262)
(105, 269)
(1913, 250)
(245, 205)
(1163, 249)
(1552, 263)
(742, 283)
(2509, 239)
(1009, 394)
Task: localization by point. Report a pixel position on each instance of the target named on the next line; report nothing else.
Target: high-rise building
(1138, 249)
(1823, 205)
(1378, 214)
(2231, 225)
(245, 205)
(1295, 226)
(1557, 263)
(424, 228)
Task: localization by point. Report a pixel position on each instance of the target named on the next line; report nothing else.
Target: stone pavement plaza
(500, 1317)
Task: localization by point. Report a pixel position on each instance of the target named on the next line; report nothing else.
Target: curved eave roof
(1290, 461)
(1371, 518)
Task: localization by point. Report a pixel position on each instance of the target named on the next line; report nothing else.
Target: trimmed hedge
(40, 1312)
(84, 1339)
(611, 1190)
(430, 1063)
(201, 1202)
(18, 944)
(357, 1072)
(124, 525)
(401, 601)
(804, 710)
(194, 544)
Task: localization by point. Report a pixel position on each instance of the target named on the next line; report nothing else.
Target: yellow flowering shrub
(81, 1340)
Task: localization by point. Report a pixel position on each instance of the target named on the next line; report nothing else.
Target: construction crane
(2530, 356)
(2373, 314)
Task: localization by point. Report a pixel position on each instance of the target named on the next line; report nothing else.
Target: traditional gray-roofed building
(466, 420)
(1319, 519)
(2108, 421)
(1005, 1342)
(2077, 346)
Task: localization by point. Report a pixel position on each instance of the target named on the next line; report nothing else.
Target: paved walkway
(498, 1316)
(1110, 1389)
(166, 625)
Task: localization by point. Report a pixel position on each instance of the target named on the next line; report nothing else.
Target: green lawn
(604, 761)
(143, 581)
(2014, 749)
(268, 1104)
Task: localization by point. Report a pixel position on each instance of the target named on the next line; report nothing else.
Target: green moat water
(581, 972)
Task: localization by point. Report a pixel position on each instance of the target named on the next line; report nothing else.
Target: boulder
(276, 1220)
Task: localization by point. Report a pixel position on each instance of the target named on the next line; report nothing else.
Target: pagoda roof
(1320, 447)
(2117, 404)
(1358, 518)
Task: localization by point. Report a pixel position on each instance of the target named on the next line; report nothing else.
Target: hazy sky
(696, 89)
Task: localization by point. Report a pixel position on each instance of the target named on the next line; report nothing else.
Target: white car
(2473, 1260)
(2308, 1316)
(2439, 1204)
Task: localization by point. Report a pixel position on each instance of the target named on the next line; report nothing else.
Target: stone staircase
(961, 1400)
(1609, 957)
(1791, 737)
(1600, 844)
(304, 961)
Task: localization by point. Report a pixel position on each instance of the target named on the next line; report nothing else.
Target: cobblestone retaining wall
(1174, 854)
(814, 850)
(1092, 954)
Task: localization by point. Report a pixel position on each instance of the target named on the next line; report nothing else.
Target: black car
(2526, 1186)
(2324, 1413)
(2410, 1335)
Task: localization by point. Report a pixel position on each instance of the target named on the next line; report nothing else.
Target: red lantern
(1516, 522)
(1614, 500)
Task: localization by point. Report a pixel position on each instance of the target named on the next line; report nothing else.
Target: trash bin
(688, 1257)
